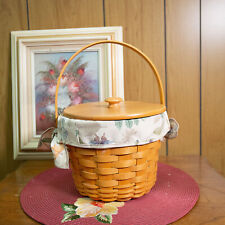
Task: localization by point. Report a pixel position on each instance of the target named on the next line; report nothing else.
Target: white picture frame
(25, 44)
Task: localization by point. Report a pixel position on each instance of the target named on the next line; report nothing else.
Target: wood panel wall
(13, 16)
(54, 14)
(183, 73)
(213, 82)
(184, 39)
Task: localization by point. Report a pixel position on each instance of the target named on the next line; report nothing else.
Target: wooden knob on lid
(113, 101)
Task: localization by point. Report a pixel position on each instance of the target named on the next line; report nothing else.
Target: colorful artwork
(79, 84)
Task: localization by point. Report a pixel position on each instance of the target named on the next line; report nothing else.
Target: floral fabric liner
(60, 153)
(112, 134)
(105, 134)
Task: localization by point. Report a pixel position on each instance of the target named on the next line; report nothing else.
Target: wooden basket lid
(113, 108)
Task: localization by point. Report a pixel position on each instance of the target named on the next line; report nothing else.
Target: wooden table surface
(209, 210)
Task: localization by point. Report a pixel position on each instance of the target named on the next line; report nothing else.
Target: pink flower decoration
(51, 89)
(51, 72)
(42, 116)
(63, 80)
(80, 71)
(61, 63)
(74, 87)
(77, 100)
(64, 61)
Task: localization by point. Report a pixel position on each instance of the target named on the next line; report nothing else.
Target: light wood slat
(143, 27)
(65, 14)
(213, 82)
(183, 73)
(116, 172)
(12, 17)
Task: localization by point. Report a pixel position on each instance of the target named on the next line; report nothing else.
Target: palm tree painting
(79, 84)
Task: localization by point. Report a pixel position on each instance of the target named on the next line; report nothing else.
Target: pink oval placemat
(173, 196)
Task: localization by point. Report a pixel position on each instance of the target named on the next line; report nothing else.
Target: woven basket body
(114, 174)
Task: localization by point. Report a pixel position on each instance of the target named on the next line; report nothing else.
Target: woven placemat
(173, 196)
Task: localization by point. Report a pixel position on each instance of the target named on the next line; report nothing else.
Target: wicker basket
(115, 173)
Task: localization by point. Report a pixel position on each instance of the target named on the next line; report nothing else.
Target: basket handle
(162, 99)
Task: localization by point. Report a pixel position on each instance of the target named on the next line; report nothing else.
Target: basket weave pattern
(114, 174)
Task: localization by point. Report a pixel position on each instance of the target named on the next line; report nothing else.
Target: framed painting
(37, 59)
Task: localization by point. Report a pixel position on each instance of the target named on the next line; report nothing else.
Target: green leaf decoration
(136, 121)
(104, 219)
(119, 124)
(51, 66)
(80, 141)
(76, 132)
(158, 130)
(45, 74)
(68, 207)
(69, 217)
(129, 123)
(75, 65)
(84, 65)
